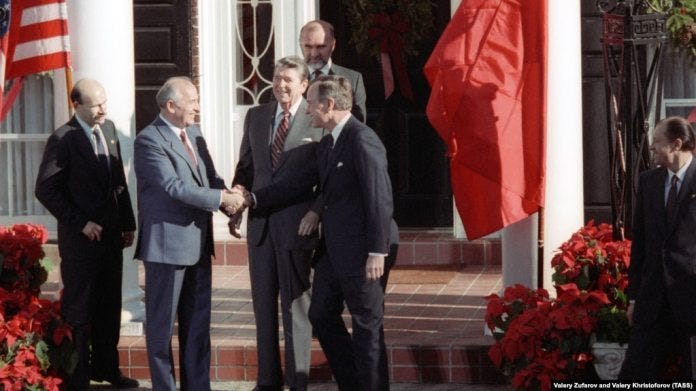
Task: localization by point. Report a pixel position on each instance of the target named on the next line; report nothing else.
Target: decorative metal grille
(255, 51)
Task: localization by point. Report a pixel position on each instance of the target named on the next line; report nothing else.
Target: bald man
(82, 183)
(317, 42)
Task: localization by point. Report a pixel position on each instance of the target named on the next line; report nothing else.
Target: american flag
(38, 39)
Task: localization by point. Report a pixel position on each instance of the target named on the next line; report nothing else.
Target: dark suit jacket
(72, 185)
(176, 197)
(355, 196)
(359, 96)
(254, 171)
(663, 257)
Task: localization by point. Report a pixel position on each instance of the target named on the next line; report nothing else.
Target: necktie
(184, 139)
(316, 74)
(671, 207)
(279, 139)
(99, 144)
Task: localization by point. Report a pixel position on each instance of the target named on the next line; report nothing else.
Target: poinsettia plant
(539, 338)
(35, 343)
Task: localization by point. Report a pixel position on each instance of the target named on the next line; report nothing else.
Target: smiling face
(288, 86)
(316, 45)
(183, 107)
(317, 109)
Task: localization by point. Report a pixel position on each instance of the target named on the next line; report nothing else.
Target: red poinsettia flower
(541, 339)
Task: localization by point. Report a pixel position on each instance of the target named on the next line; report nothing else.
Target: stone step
(416, 247)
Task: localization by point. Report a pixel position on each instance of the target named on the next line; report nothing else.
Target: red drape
(488, 102)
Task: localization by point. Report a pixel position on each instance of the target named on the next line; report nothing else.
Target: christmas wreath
(390, 31)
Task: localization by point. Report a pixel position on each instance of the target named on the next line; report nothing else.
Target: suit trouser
(173, 291)
(91, 273)
(277, 271)
(653, 347)
(358, 362)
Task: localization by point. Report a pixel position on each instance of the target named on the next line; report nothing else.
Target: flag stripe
(44, 30)
(40, 47)
(33, 65)
(44, 13)
(38, 37)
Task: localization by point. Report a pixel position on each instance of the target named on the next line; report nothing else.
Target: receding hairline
(318, 24)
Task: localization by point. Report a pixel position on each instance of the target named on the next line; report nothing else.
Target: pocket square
(340, 164)
(692, 196)
(306, 140)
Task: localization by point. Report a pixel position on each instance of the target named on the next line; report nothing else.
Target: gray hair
(337, 88)
(293, 62)
(170, 90)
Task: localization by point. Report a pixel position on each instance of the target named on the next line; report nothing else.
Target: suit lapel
(686, 191)
(335, 153)
(86, 149)
(177, 146)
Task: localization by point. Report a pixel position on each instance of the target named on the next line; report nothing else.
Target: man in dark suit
(360, 238)
(317, 42)
(82, 183)
(178, 189)
(278, 141)
(662, 274)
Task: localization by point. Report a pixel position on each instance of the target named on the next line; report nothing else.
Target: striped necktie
(279, 139)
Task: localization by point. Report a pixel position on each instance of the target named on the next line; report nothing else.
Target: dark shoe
(267, 388)
(120, 382)
(298, 388)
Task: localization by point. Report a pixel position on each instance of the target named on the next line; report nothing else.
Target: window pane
(254, 45)
(32, 112)
(23, 136)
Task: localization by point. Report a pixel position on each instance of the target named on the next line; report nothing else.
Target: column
(564, 212)
(101, 39)
(564, 206)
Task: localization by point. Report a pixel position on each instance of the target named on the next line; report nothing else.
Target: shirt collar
(681, 173)
(175, 129)
(85, 127)
(324, 70)
(293, 109)
(336, 131)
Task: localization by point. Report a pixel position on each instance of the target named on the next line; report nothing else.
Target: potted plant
(540, 339)
(35, 343)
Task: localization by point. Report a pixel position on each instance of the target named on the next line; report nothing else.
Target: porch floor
(434, 332)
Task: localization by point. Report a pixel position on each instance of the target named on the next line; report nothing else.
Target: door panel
(162, 50)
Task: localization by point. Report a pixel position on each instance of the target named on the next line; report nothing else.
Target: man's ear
(330, 103)
(678, 144)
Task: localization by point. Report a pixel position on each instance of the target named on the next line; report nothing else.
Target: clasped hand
(235, 200)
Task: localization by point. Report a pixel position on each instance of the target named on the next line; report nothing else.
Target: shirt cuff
(377, 254)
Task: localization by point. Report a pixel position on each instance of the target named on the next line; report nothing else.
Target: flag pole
(540, 249)
(68, 85)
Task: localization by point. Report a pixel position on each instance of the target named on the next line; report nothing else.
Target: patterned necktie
(99, 144)
(316, 74)
(184, 139)
(279, 139)
(671, 207)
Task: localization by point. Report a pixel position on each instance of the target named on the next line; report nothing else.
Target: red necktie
(279, 139)
(184, 139)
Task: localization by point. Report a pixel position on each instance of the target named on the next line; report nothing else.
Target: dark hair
(337, 88)
(76, 95)
(293, 62)
(679, 128)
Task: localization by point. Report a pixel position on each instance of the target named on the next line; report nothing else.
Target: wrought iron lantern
(633, 38)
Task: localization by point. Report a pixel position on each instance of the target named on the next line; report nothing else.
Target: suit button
(326, 207)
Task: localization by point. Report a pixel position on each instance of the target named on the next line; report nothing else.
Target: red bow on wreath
(388, 30)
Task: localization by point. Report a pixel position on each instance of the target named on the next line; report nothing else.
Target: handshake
(235, 201)
(233, 204)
